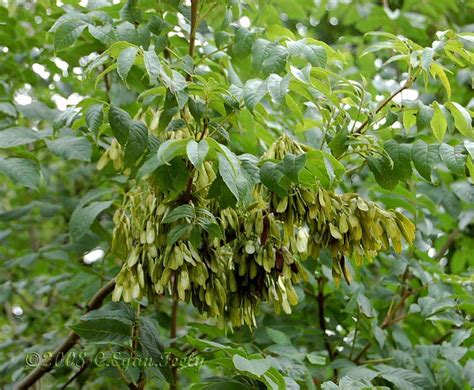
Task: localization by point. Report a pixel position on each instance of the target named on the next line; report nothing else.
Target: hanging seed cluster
(113, 153)
(346, 224)
(263, 267)
(154, 266)
(258, 256)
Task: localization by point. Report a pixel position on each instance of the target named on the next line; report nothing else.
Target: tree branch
(174, 316)
(389, 319)
(322, 322)
(449, 242)
(67, 344)
(79, 372)
(192, 36)
(387, 100)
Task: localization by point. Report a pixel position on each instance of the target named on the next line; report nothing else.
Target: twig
(23, 298)
(67, 344)
(355, 333)
(192, 36)
(79, 372)
(322, 322)
(408, 84)
(212, 53)
(174, 368)
(388, 319)
(374, 361)
(449, 242)
(106, 84)
(444, 337)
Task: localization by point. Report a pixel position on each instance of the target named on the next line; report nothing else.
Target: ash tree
(242, 194)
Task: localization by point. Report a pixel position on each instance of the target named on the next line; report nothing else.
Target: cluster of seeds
(346, 224)
(113, 153)
(257, 256)
(263, 268)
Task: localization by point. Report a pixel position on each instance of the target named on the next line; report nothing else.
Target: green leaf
(8, 109)
(453, 158)
(183, 211)
(425, 157)
(260, 50)
(462, 118)
(17, 136)
(149, 338)
(130, 12)
(278, 87)
(294, 108)
(175, 124)
(437, 70)
(152, 65)
(272, 175)
(150, 343)
(136, 143)
(278, 337)
(125, 61)
(423, 116)
(380, 168)
(409, 119)
(197, 152)
(105, 34)
(83, 217)
(256, 367)
(119, 122)
(67, 33)
(403, 378)
(177, 232)
(228, 171)
(438, 122)
(292, 166)
(400, 155)
(316, 358)
(21, 171)
(243, 42)
(170, 149)
(275, 61)
(71, 148)
(148, 167)
(316, 55)
(253, 92)
(321, 167)
(338, 144)
(427, 58)
(94, 117)
(110, 324)
(219, 190)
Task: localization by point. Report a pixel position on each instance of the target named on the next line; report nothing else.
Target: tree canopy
(242, 194)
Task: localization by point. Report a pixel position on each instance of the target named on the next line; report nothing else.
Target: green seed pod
(259, 222)
(117, 293)
(133, 257)
(103, 161)
(282, 205)
(140, 276)
(253, 269)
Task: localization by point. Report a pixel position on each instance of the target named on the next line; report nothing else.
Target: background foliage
(384, 89)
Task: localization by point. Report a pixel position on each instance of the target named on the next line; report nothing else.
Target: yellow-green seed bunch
(283, 146)
(257, 258)
(153, 267)
(263, 268)
(351, 226)
(113, 153)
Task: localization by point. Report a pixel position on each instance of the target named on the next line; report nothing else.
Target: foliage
(230, 163)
